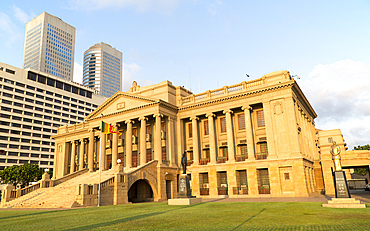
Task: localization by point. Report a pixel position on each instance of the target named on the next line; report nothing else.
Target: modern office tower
(33, 105)
(103, 69)
(49, 46)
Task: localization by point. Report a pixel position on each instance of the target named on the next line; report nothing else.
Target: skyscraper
(49, 46)
(103, 69)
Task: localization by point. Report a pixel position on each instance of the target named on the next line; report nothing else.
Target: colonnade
(230, 136)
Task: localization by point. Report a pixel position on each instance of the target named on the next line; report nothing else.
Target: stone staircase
(61, 196)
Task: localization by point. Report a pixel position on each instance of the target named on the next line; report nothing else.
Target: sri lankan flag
(107, 128)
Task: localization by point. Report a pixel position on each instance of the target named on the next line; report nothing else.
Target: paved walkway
(363, 196)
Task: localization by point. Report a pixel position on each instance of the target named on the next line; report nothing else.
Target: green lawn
(203, 216)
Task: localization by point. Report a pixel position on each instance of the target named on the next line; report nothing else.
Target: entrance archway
(140, 191)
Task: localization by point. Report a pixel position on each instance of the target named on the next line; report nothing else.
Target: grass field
(203, 216)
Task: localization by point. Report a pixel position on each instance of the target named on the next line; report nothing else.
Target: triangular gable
(119, 102)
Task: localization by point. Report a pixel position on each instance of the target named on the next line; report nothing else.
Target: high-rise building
(49, 46)
(103, 69)
(33, 105)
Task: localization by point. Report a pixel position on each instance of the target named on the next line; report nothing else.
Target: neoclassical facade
(255, 138)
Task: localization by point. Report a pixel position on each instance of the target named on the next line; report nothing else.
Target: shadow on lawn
(29, 214)
(249, 219)
(108, 223)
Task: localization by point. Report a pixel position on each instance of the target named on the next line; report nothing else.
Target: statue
(335, 152)
(184, 162)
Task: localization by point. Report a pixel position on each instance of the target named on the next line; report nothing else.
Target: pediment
(120, 102)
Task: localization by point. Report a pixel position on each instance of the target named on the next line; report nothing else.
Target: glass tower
(49, 46)
(102, 69)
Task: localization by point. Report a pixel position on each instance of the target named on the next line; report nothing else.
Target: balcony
(265, 189)
(261, 156)
(204, 161)
(221, 159)
(204, 191)
(189, 162)
(240, 190)
(222, 190)
(241, 157)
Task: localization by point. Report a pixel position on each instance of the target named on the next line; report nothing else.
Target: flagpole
(101, 137)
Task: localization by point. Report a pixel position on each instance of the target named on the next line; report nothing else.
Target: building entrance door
(168, 189)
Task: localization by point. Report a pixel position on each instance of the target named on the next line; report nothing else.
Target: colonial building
(253, 139)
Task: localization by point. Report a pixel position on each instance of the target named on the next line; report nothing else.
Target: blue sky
(209, 44)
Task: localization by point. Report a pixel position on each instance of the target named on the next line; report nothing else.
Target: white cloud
(21, 15)
(141, 6)
(340, 94)
(77, 73)
(8, 29)
(130, 72)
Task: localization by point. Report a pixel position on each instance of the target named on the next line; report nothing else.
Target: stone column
(73, 161)
(195, 140)
(230, 136)
(115, 147)
(81, 158)
(129, 144)
(90, 158)
(103, 138)
(171, 140)
(180, 140)
(158, 140)
(249, 132)
(143, 140)
(212, 140)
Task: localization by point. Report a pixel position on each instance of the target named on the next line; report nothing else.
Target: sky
(208, 44)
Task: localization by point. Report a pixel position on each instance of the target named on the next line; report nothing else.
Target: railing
(204, 161)
(204, 191)
(261, 156)
(70, 176)
(189, 162)
(221, 159)
(107, 182)
(240, 190)
(221, 91)
(265, 189)
(222, 190)
(29, 189)
(241, 157)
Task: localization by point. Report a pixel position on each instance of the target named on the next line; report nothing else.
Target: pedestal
(341, 186)
(185, 197)
(184, 186)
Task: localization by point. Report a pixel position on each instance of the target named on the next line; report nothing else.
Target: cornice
(289, 84)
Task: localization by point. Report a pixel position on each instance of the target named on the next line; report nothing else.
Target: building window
(241, 122)
(222, 157)
(148, 130)
(260, 118)
(205, 157)
(203, 183)
(286, 176)
(190, 130)
(263, 181)
(206, 128)
(223, 124)
(263, 151)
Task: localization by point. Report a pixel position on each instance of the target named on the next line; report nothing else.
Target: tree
(364, 147)
(21, 174)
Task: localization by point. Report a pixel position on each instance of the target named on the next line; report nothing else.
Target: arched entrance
(140, 191)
